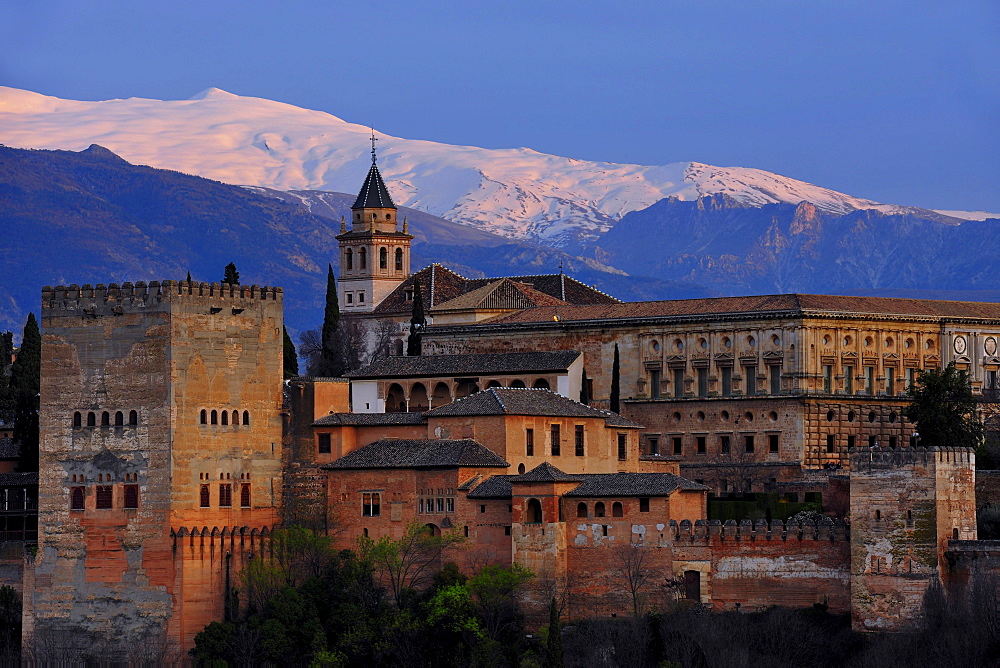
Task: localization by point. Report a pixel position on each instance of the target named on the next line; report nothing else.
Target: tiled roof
(19, 479)
(470, 483)
(503, 293)
(632, 484)
(494, 487)
(523, 401)
(369, 419)
(9, 449)
(373, 194)
(402, 453)
(439, 285)
(794, 305)
(473, 363)
(545, 472)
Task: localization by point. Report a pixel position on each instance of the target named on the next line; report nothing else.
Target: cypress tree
(232, 276)
(291, 359)
(417, 321)
(6, 396)
(331, 362)
(189, 277)
(616, 389)
(555, 646)
(25, 382)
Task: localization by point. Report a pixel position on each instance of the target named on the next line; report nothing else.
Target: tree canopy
(25, 383)
(944, 409)
(232, 276)
(417, 321)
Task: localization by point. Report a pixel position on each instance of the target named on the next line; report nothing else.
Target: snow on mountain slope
(518, 193)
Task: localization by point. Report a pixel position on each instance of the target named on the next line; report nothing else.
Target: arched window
(225, 417)
(246, 418)
(133, 418)
(362, 258)
(520, 469)
(76, 499)
(581, 509)
(105, 419)
(236, 417)
(541, 384)
(399, 259)
(77, 419)
(245, 495)
(617, 510)
(204, 417)
(599, 509)
(205, 500)
(91, 419)
(383, 258)
(517, 382)
(397, 348)
(395, 401)
(215, 417)
(349, 259)
(534, 514)
(418, 398)
(119, 419)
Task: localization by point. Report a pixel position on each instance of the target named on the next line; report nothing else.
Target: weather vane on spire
(374, 139)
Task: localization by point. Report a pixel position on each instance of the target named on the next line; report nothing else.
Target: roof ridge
(497, 397)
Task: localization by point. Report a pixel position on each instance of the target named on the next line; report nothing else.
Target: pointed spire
(343, 224)
(406, 226)
(374, 194)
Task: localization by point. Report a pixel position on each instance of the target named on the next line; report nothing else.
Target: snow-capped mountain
(518, 193)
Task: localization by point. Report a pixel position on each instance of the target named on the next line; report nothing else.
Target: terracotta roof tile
(524, 401)
(494, 487)
(633, 484)
(545, 472)
(401, 453)
(369, 419)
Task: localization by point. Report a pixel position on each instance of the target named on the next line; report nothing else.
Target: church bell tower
(374, 254)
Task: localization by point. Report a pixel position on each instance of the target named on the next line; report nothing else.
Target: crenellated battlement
(115, 299)
(863, 459)
(709, 531)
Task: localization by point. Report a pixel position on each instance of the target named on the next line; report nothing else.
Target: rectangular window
(361, 298)
(775, 370)
(700, 444)
(892, 442)
(911, 378)
(578, 440)
(849, 379)
(439, 504)
(724, 445)
(850, 442)
(870, 380)
(324, 444)
(225, 495)
(748, 443)
(245, 495)
(678, 442)
(991, 379)
(772, 442)
(371, 504)
(831, 443)
(482, 508)
(654, 383)
(420, 506)
(104, 497)
(131, 496)
(349, 297)
(643, 504)
(679, 383)
(450, 505)
(622, 447)
(529, 442)
(702, 382)
(653, 446)
(555, 440)
(828, 378)
(727, 381)
(205, 499)
(751, 380)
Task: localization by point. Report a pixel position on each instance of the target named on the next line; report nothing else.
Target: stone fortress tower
(160, 456)
(374, 254)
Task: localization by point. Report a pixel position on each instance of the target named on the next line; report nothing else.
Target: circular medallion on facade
(990, 346)
(960, 345)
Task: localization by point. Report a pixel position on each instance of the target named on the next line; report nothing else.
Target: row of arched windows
(383, 258)
(105, 418)
(617, 510)
(223, 417)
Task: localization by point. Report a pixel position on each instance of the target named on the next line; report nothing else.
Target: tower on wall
(374, 254)
(160, 458)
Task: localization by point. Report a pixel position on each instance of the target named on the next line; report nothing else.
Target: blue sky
(895, 101)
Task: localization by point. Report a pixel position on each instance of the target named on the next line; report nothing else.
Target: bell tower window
(383, 258)
(362, 258)
(349, 259)
(399, 259)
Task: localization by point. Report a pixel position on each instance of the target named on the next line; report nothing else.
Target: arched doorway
(433, 529)
(541, 384)
(442, 395)
(395, 401)
(418, 398)
(534, 513)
